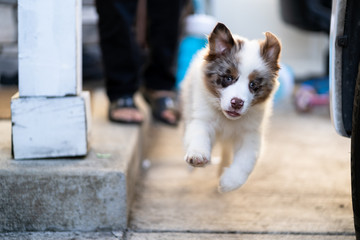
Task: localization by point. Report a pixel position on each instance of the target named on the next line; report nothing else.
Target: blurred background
(302, 26)
(302, 183)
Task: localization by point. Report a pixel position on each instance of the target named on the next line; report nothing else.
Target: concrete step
(62, 235)
(167, 236)
(84, 194)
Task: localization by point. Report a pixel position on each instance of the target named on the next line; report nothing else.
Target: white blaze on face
(250, 60)
(238, 90)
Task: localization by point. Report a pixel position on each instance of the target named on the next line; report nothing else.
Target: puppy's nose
(237, 103)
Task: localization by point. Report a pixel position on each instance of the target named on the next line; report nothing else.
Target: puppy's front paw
(231, 179)
(197, 159)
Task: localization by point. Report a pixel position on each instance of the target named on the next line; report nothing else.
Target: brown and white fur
(226, 96)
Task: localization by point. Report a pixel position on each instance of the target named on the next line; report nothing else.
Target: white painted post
(51, 114)
(49, 47)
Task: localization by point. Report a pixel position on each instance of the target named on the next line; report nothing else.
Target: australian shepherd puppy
(226, 97)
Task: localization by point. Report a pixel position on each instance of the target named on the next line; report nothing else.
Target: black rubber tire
(355, 157)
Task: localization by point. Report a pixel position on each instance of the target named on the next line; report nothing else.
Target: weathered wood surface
(50, 49)
(232, 236)
(301, 185)
(50, 127)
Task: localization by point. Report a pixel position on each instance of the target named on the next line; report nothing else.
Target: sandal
(161, 103)
(126, 102)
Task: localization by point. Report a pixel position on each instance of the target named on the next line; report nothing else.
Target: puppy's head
(240, 73)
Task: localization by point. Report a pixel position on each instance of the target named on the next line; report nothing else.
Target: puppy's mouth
(232, 114)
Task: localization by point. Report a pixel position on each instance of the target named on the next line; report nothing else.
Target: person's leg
(120, 54)
(163, 36)
(119, 49)
(159, 73)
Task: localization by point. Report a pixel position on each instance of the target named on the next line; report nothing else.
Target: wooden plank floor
(300, 188)
(6, 92)
(231, 236)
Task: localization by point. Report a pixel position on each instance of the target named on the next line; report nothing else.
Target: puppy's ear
(220, 40)
(270, 49)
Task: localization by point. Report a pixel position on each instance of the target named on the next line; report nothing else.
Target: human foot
(124, 110)
(163, 106)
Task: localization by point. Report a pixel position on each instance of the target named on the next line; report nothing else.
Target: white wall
(303, 51)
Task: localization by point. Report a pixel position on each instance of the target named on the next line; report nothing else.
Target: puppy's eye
(254, 86)
(227, 80)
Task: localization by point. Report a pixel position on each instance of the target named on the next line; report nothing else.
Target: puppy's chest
(232, 129)
(226, 130)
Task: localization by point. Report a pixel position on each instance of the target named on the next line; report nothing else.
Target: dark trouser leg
(120, 51)
(163, 34)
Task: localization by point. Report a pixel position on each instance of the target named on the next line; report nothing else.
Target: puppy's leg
(245, 156)
(199, 138)
(226, 156)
